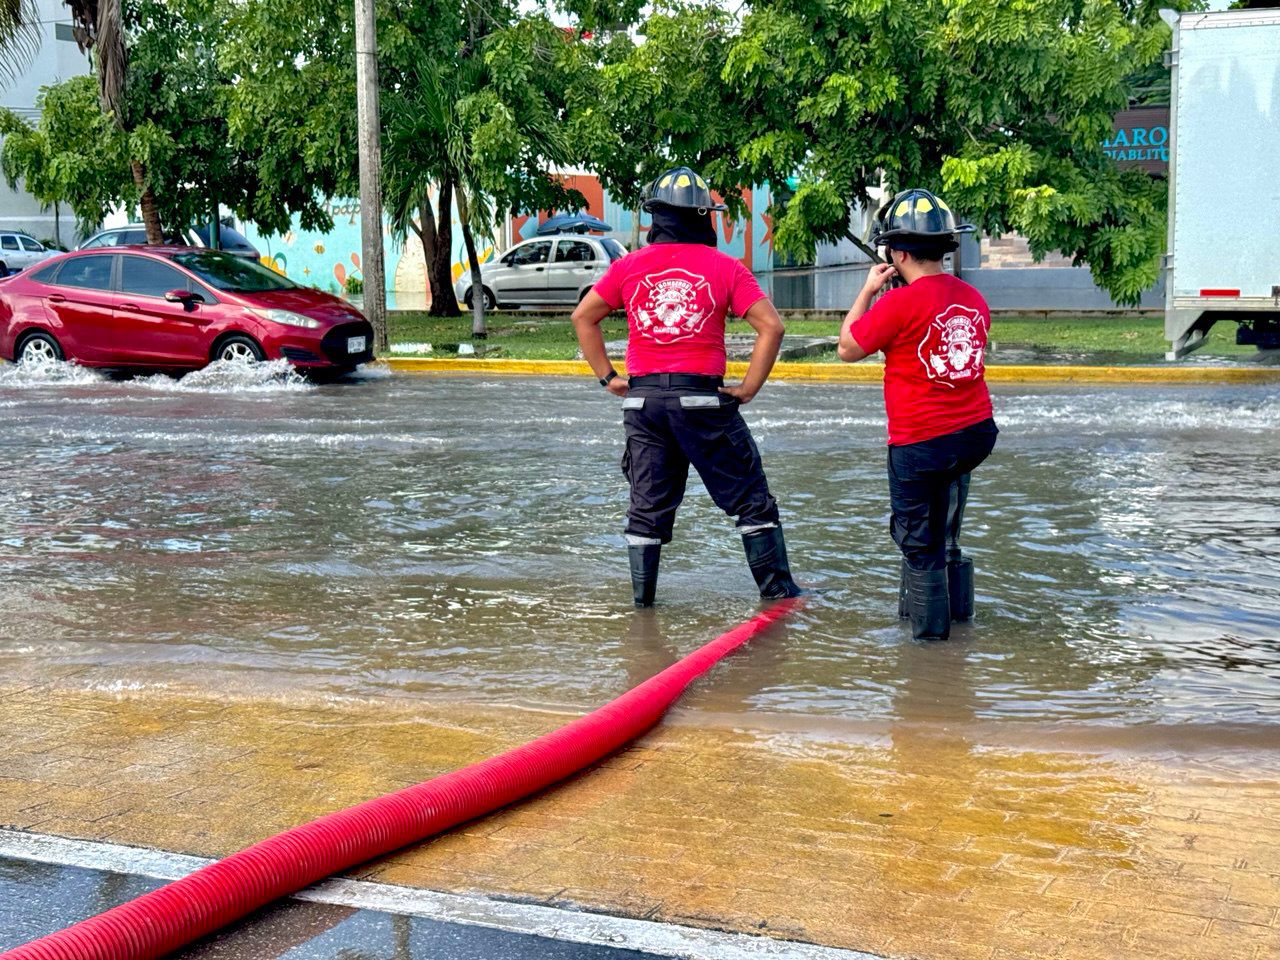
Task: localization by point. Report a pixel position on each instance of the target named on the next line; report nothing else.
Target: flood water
(459, 539)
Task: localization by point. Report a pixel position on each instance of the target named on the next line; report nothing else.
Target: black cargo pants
(672, 421)
(920, 481)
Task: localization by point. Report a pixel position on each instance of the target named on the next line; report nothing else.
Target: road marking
(663, 939)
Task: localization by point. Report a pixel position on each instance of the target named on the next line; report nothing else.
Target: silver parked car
(19, 250)
(555, 270)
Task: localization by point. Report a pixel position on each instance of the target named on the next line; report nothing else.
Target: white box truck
(1224, 178)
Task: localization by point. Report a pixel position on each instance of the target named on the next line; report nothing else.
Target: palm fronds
(19, 36)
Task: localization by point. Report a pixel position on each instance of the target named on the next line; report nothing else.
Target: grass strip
(1108, 339)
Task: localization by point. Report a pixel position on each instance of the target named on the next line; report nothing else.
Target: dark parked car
(232, 241)
(174, 308)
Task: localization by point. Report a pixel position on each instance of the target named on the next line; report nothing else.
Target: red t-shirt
(933, 333)
(677, 295)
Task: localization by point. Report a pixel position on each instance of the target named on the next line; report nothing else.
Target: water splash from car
(370, 371)
(221, 377)
(47, 373)
(230, 376)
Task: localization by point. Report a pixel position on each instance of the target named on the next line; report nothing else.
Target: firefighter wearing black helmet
(933, 334)
(676, 409)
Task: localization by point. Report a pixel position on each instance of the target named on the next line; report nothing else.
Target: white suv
(19, 251)
(548, 270)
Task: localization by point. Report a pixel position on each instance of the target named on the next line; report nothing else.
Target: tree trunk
(635, 229)
(147, 200)
(478, 329)
(426, 230)
(444, 303)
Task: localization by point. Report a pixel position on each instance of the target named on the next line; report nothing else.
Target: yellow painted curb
(550, 368)
(867, 372)
(1122, 375)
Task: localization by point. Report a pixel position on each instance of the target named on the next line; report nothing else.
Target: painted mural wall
(328, 259)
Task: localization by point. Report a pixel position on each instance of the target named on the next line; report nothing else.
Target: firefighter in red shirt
(675, 408)
(933, 333)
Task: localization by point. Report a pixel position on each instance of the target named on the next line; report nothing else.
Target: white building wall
(57, 59)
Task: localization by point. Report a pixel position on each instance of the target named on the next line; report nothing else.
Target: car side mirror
(185, 297)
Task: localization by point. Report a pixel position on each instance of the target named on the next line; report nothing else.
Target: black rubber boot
(767, 556)
(928, 604)
(960, 588)
(904, 610)
(959, 567)
(644, 572)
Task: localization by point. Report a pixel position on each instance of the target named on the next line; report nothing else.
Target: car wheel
(39, 348)
(490, 303)
(4, 269)
(239, 349)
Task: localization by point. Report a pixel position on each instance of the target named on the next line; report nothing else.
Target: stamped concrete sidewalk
(927, 843)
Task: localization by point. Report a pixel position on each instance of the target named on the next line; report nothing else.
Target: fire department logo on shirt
(951, 350)
(671, 305)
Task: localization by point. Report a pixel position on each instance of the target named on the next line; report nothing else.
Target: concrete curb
(539, 920)
(868, 372)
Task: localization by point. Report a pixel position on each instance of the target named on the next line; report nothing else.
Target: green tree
(506, 128)
(101, 30)
(74, 154)
(649, 105)
(293, 106)
(19, 36)
(471, 102)
(1001, 103)
(161, 137)
(177, 84)
(1043, 174)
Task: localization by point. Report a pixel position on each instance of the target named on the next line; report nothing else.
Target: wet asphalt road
(37, 899)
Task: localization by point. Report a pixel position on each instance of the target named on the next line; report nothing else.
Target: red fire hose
(165, 919)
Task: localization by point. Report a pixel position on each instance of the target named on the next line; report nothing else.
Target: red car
(174, 308)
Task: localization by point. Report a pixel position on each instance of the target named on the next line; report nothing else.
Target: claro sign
(1140, 138)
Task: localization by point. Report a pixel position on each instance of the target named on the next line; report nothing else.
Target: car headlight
(288, 318)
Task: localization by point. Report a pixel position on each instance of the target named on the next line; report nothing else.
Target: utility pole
(370, 147)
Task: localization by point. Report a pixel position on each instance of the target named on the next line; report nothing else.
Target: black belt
(685, 381)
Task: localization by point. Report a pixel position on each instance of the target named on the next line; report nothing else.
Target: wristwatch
(608, 378)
